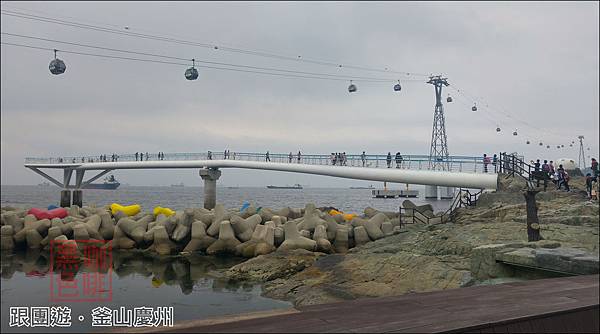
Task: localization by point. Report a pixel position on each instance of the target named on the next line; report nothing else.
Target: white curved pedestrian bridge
(461, 171)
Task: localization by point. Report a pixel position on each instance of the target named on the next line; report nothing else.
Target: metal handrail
(412, 161)
(449, 214)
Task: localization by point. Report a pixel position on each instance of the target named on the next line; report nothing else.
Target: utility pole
(438, 153)
(581, 153)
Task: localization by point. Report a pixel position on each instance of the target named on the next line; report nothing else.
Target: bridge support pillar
(446, 192)
(65, 198)
(431, 192)
(210, 177)
(78, 197)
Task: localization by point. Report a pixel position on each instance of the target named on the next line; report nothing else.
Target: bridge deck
(550, 305)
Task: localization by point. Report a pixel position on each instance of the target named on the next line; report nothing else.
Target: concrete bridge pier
(431, 192)
(210, 177)
(78, 197)
(65, 198)
(446, 192)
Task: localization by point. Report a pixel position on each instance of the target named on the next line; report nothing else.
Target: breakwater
(249, 232)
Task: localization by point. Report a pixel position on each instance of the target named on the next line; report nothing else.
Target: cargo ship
(110, 183)
(369, 187)
(295, 186)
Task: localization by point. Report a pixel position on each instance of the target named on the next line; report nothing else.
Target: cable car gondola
(352, 87)
(474, 108)
(397, 87)
(449, 99)
(57, 66)
(191, 73)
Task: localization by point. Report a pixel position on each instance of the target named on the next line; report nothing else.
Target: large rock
(280, 264)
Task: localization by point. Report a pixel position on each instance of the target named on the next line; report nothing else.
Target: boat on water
(110, 183)
(180, 185)
(369, 187)
(295, 186)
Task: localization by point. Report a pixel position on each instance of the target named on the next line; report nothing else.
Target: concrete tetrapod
(293, 239)
(244, 228)
(262, 242)
(226, 242)
(120, 240)
(387, 228)
(6, 237)
(161, 220)
(162, 244)
(53, 232)
(30, 222)
(341, 240)
(107, 227)
(220, 215)
(373, 226)
(33, 239)
(361, 236)
(93, 227)
(320, 236)
(311, 219)
(134, 229)
(267, 244)
(10, 218)
(184, 225)
(200, 240)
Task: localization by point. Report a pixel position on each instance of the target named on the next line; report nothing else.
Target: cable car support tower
(438, 153)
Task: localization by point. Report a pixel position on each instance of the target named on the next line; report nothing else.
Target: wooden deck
(566, 304)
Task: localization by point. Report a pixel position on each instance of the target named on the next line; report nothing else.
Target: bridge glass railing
(467, 164)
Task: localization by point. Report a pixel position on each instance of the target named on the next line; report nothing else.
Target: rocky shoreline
(315, 255)
(444, 256)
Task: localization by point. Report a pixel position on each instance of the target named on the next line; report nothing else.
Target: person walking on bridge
(332, 158)
(209, 155)
(136, 156)
(299, 156)
(267, 157)
(389, 160)
(398, 159)
(363, 158)
(595, 168)
(486, 162)
(290, 157)
(495, 163)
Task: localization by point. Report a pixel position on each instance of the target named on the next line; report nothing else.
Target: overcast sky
(531, 63)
